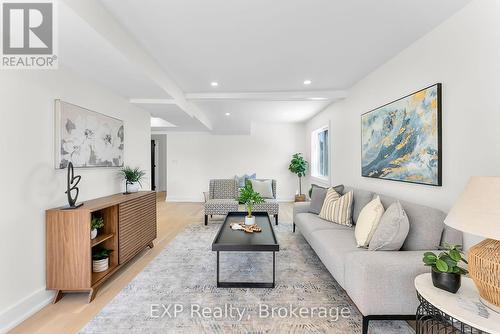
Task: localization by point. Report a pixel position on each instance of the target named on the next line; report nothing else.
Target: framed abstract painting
(87, 138)
(401, 141)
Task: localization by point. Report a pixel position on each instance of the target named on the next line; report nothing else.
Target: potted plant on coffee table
(298, 166)
(100, 260)
(249, 197)
(95, 224)
(133, 178)
(446, 274)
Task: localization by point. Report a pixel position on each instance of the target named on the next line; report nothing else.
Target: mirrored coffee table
(229, 240)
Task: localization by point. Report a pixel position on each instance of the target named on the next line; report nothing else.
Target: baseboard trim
(183, 199)
(24, 309)
(197, 200)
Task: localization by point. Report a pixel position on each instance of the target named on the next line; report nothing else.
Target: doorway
(159, 162)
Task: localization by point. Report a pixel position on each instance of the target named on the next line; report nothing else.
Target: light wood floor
(72, 312)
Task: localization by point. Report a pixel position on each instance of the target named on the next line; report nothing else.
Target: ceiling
(260, 52)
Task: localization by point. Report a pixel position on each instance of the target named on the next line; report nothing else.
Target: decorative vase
(100, 265)
(93, 233)
(132, 187)
(249, 220)
(447, 281)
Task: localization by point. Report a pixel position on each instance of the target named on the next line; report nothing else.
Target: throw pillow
(318, 194)
(240, 180)
(392, 230)
(367, 222)
(263, 187)
(336, 208)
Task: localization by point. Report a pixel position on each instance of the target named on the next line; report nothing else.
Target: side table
(443, 312)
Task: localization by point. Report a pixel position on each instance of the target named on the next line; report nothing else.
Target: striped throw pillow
(336, 208)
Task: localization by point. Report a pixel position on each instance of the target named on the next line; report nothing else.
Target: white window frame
(315, 155)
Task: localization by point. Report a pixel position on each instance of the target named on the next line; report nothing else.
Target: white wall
(30, 184)
(195, 158)
(463, 53)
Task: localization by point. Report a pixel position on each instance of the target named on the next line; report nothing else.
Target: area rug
(177, 293)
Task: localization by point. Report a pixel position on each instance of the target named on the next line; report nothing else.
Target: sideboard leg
(59, 294)
(92, 294)
(151, 245)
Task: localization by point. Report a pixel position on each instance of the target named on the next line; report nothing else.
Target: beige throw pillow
(336, 208)
(367, 222)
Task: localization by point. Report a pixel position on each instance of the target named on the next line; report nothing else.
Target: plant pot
(249, 220)
(100, 265)
(93, 234)
(447, 281)
(300, 198)
(132, 187)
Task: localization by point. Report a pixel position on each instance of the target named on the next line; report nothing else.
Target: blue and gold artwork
(401, 141)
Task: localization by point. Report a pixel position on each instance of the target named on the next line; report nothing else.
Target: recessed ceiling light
(228, 114)
(214, 84)
(307, 82)
(318, 98)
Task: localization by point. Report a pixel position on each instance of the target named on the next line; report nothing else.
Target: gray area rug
(177, 293)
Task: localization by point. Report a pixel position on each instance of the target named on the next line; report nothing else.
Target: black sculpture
(72, 185)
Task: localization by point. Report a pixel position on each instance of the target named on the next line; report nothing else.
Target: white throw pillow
(367, 222)
(263, 187)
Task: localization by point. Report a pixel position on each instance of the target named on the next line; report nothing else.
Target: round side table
(443, 312)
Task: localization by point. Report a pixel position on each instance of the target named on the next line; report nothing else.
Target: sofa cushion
(224, 189)
(368, 221)
(426, 224)
(309, 222)
(337, 209)
(361, 198)
(392, 230)
(318, 194)
(332, 247)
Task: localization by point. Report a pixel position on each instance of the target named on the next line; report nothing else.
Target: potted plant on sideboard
(133, 178)
(446, 274)
(100, 260)
(95, 224)
(249, 197)
(298, 166)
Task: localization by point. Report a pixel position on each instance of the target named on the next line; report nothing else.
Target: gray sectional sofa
(380, 283)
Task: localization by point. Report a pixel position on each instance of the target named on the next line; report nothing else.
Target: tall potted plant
(445, 271)
(133, 178)
(298, 166)
(249, 197)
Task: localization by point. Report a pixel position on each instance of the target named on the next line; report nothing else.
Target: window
(319, 153)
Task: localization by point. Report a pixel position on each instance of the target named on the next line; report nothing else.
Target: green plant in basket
(101, 254)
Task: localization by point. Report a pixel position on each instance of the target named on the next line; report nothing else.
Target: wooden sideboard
(129, 227)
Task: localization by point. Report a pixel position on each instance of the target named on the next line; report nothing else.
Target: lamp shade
(477, 210)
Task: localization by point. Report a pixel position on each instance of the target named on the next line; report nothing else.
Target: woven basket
(484, 269)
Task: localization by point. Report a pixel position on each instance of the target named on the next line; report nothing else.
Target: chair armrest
(205, 196)
(300, 207)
